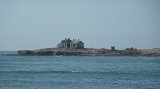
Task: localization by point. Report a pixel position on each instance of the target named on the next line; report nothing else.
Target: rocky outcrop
(87, 52)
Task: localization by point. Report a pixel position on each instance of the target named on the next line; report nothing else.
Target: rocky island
(75, 47)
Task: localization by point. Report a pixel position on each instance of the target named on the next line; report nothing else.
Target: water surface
(75, 72)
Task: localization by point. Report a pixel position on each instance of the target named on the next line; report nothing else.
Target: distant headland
(68, 47)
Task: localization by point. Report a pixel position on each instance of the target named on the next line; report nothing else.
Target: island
(68, 47)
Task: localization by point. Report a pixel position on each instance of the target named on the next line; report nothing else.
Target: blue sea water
(79, 72)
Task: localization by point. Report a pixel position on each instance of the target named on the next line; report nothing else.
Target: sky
(34, 24)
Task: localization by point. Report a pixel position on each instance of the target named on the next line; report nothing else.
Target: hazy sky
(33, 24)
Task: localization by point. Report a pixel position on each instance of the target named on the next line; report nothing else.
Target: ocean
(79, 72)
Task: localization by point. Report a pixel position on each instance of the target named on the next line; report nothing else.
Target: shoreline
(88, 52)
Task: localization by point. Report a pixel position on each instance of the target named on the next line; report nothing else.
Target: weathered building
(77, 44)
(67, 43)
(64, 43)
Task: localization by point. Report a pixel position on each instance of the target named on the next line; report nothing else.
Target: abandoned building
(67, 43)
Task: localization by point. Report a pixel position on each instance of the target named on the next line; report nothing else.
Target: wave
(63, 71)
(20, 71)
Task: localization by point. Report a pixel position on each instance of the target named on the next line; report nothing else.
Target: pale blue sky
(33, 24)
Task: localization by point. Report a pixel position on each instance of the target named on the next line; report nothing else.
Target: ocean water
(79, 72)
